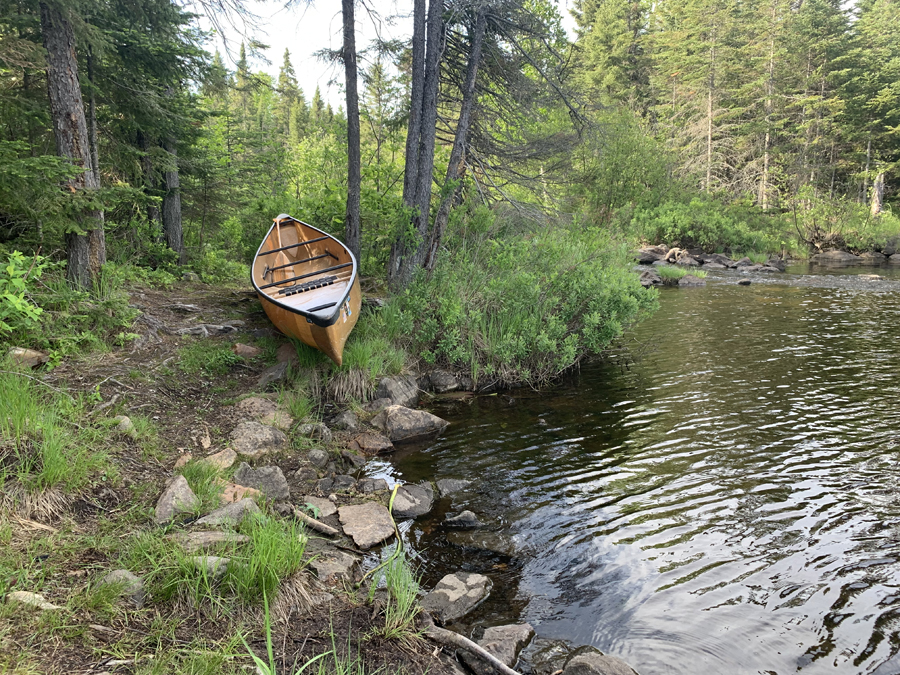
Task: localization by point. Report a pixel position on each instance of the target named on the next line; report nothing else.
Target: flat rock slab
(221, 460)
(597, 664)
(447, 486)
(412, 501)
(502, 642)
(404, 424)
(269, 480)
(230, 515)
(265, 411)
(252, 439)
(233, 492)
(334, 565)
(31, 599)
(206, 540)
(367, 524)
(401, 390)
(456, 595)
(370, 485)
(177, 498)
(132, 585)
(324, 507)
(372, 444)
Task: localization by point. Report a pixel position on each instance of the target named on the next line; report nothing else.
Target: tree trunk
(149, 182)
(763, 198)
(865, 188)
(354, 178)
(86, 252)
(92, 119)
(452, 182)
(877, 194)
(709, 115)
(171, 206)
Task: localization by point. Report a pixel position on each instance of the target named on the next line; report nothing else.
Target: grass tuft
(207, 358)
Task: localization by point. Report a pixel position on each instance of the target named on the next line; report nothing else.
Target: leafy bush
(17, 310)
(519, 306)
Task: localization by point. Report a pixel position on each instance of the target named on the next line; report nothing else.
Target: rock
(650, 278)
(894, 259)
(318, 457)
(743, 262)
(342, 483)
(368, 524)
(27, 358)
(720, 259)
(190, 276)
(376, 303)
(377, 405)
(403, 424)
(463, 521)
(402, 390)
(412, 501)
(222, 460)
(490, 543)
(871, 277)
(353, 459)
(691, 280)
(777, 263)
(287, 353)
(744, 282)
(714, 266)
(30, 599)
(649, 254)
(769, 268)
(372, 444)
(346, 421)
(334, 565)
(324, 484)
(231, 515)
(232, 492)
(872, 257)
(443, 382)
(547, 656)
(176, 498)
(746, 269)
(456, 595)
(323, 507)
(596, 663)
(182, 460)
(125, 426)
(205, 540)
(270, 376)
(245, 351)
(212, 566)
(267, 479)
(252, 439)
(447, 486)
(502, 642)
(685, 258)
(306, 473)
(370, 485)
(835, 257)
(256, 406)
(315, 430)
(130, 585)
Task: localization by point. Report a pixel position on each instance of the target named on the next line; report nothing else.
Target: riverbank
(209, 476)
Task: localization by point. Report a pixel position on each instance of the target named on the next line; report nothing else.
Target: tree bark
(92, 119)
(149, 182)
(877, 195)
(86, 252)
(457, 154)
(171, 206)
(354, 178)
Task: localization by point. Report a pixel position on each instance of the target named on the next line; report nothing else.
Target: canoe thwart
(321, 307)
(307, 286)
(307, 275)
(287, 248)
(298, 262)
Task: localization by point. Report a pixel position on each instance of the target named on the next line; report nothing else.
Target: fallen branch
(315, 524)
(451, 639)
(104, 406)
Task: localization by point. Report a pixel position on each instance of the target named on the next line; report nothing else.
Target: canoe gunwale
(317, 319)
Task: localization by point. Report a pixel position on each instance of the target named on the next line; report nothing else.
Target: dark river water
(726, 499)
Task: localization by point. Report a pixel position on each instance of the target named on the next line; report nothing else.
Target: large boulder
(252, 439)
(744, 262)
(894, 259)
(177, 498)
(442, 382)
(368, 524)
(372, 444)
(595, 663)
(404, 424)
(400, 389)
(840, 257)
(872, 257)
(502, 642)
(267, 479)
(412, 501)
(685, 258)
(649, 254)
(456, 595)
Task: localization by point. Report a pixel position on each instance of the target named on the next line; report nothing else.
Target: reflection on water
(728, 504)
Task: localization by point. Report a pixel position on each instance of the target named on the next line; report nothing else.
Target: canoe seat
(307, 286)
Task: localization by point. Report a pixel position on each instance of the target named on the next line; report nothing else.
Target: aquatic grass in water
(673, 272)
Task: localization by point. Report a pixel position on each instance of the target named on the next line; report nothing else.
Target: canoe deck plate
(307, 286)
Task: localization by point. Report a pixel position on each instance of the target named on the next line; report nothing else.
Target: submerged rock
(502, 642)
(447, 486)
(412, 501)
(595, 663)
(463, 521)
(456, 595)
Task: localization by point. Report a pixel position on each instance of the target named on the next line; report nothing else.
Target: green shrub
(17, 310)
(519, 306)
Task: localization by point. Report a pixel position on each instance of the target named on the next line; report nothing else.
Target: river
(724, 497)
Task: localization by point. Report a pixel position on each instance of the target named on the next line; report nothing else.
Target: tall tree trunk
(709, 114)
(865, 186)
(92, 118)
(149, 182)
(877, 195)
(454, 168)
(171, 206)
(354, 178)
(86, 252)
(763, 198)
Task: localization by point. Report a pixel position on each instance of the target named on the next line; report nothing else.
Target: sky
(306, 30)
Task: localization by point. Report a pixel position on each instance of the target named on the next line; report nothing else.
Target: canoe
(308, 284)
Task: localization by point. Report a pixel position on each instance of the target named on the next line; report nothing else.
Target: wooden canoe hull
(336, 306)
